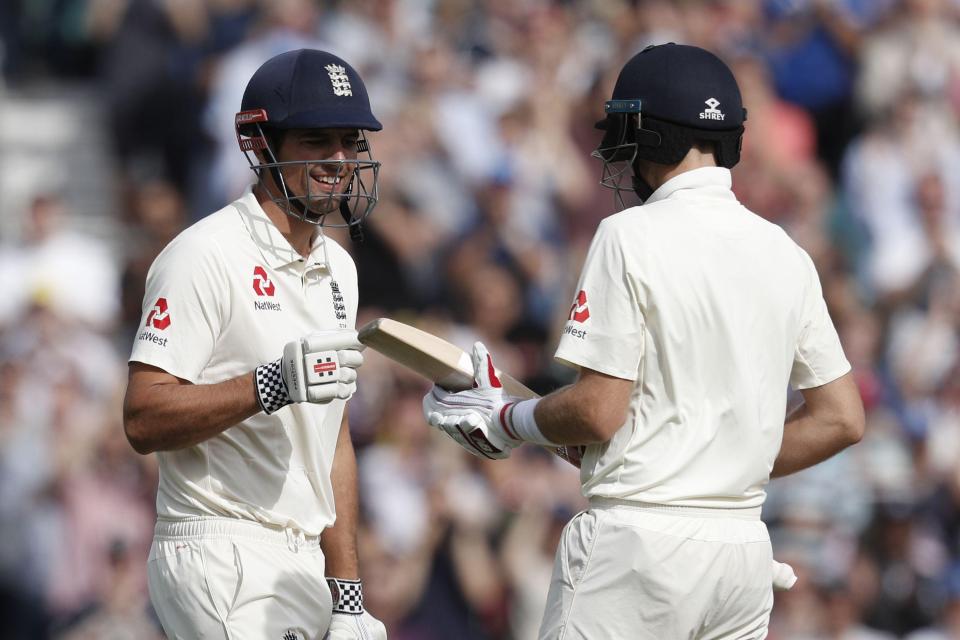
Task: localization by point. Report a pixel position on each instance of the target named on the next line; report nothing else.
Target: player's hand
(317, 368)
(478, 419)
(350, 620)
(783, 576)
(345, 626)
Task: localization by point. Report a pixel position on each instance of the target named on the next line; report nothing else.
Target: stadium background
(116, 132)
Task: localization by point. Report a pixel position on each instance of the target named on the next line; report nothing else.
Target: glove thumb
(484, 374)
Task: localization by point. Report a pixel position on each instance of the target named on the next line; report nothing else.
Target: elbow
(849, 427)
(601, 423)
(856, 423)
(137, 433)
(853, 429)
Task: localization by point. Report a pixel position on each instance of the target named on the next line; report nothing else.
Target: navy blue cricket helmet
(310, 89)
(668, 98)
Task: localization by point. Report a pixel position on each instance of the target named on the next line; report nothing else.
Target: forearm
(564, 419)
(165, 417)
(339, 542)
(808, 441)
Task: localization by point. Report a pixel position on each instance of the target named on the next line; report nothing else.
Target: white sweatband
(524, 425)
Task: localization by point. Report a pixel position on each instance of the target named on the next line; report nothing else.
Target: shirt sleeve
(818, 356)
(182, 310)
(605, 326)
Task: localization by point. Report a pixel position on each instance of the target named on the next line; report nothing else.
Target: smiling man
(241, 370)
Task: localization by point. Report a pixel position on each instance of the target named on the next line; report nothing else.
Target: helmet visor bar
(349, 185)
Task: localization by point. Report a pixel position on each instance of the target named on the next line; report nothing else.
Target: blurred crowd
(489, 198)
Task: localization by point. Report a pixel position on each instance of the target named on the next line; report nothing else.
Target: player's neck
(657, 174)
(297, 232)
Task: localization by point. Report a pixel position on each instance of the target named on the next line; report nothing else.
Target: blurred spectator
(284, 25)
(947, 625)
(157, 214)
(149, 72)
(810, 47)
(60, 266)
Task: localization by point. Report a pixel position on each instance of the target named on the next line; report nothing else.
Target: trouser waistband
(234, 528)
(749, 513)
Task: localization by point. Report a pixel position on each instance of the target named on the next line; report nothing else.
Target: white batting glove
(318, 368)
(477, 419)
(344, 626)
(783, 576)
(350, 621)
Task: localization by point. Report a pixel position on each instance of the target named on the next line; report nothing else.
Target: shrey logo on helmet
(339, 79)
(651, 117)
(262, 285)
(711, 112)
(159, 317)
(579, 311)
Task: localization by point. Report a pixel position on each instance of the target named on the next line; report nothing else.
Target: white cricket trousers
(630, 571)
(229, 579)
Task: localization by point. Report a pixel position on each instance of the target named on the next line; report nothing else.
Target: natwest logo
(262, 285)
(159, 317)
(579, 311)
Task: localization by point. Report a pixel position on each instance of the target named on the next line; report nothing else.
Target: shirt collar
(275, 248)
(716, 177)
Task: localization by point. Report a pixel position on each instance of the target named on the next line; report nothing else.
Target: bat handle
(573, 455)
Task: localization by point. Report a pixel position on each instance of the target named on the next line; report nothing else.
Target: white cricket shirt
(712, 311)
(223, 297)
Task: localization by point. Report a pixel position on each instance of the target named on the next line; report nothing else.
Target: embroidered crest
(339, 308)
(339, 79)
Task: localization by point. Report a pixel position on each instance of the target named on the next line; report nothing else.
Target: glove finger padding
(323, 393)
(460, 403)
(350, 358)
(322, 366)
(469, 432)
(332, 341)
(484, 373)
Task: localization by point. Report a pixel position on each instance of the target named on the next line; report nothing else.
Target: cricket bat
(441, 362)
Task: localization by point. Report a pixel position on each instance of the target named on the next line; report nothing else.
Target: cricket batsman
(692, 317)
(242, 368)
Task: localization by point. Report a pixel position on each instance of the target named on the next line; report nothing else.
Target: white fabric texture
(622, 572)
(234, 293)
(213, 579)
(711, 311)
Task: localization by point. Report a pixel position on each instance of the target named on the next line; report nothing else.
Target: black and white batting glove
(318, 368)
(350, 621)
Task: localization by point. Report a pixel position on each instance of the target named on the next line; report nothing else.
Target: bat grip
(573, 455)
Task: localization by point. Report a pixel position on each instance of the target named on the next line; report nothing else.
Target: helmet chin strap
(356, 230)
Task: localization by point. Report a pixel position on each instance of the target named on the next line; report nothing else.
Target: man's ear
(274, 140)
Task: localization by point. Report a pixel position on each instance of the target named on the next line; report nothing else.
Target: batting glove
(478, 419)
(350, 621)
(783, 576)
(318, 368)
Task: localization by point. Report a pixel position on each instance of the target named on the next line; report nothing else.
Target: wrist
(347, 596)
(520, 423)
(270, 388)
